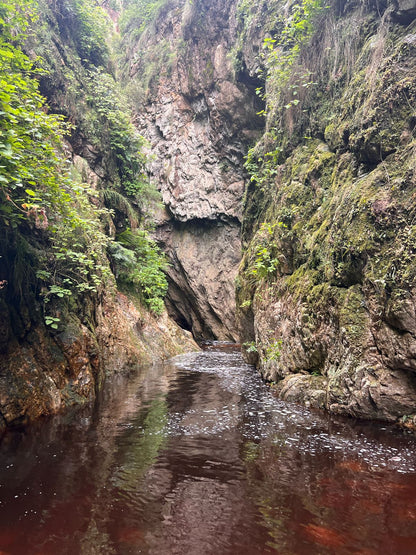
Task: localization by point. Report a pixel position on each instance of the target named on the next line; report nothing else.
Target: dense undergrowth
(75, 198)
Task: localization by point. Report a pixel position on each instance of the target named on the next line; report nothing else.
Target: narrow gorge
(324, 94)
(280, 138)
(207, 277)
(200, 121)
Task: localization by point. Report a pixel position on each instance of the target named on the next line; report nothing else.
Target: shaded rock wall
(199, 120)
(95, 330)
(326, 287)
(42, 372)
(205, 258)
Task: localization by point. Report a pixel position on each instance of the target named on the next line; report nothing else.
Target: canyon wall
(281, 138)
(76, 304)
(199, 119)
(326, 290)
(42, 373)
(324, 93)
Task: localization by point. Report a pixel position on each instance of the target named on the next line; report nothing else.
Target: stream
(197, 457)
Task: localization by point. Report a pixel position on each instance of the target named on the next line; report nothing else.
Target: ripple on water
(201, 458)
(259, 414)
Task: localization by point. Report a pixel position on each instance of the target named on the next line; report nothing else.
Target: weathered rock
(329, 270)
(41, 373)
(199, 120)
(300, 388)
(404, 11)
(366, 368)
(205, 258)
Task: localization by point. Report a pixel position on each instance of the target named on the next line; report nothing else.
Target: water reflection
(197, 457)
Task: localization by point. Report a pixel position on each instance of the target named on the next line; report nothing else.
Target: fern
(116, 201)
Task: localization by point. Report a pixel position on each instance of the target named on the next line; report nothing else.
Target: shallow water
(197, 457)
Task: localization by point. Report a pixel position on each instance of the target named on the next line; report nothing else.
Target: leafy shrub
(52, 240)
(139, 265)
(31, 157)
(86, 23)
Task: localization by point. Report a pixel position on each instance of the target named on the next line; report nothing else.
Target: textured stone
(199, 120)
(300, 388)
(334, 317)
(45, 373)
(404, 11)
(205, 258)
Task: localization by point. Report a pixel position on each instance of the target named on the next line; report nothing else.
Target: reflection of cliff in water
(197, 456)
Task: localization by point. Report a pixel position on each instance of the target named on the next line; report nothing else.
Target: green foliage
(263, 167)
(281, 52)
(76, 263)
(108, 122)
(265, 263)
(139, 265)
(52, 322)
(53, 220)
(35, 186)
(36, 190)
(88, 94)
(30, 139)
(272, 350)
(116, 201)
(300, 25)
(138, 14)
(250, 347)
(86, 23)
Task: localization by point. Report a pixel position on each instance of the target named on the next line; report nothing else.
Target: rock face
(404, 11)
(42, 373)
(205, 258)
(326, 289)
(199, 120)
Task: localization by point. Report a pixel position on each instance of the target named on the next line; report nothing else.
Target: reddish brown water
(196, 457)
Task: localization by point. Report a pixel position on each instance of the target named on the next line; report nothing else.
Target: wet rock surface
(327, 279)
(42, 372)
